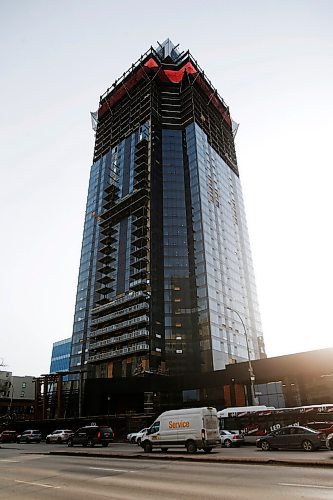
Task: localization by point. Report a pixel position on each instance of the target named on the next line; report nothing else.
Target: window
(24, 385)
(155, 427)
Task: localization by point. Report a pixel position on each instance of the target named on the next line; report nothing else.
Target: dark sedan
(292, 437)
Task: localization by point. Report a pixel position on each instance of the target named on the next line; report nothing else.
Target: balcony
(140, 273)
(107, 259)
(105, 280)
(137, 284)
(104, 290)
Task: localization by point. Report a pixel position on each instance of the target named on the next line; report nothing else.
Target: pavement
(243, 455)
(249, 455)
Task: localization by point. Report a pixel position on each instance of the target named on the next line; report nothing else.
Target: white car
(229, 439)
(131, 437)
(140, 435)
(59, 436)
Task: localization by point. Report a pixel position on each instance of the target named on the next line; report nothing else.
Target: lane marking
(112, 470)
(306, 486)
(10, 461)
(37, 484)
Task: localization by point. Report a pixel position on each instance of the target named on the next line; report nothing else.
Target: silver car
(59, 436)
(29, 436)
(229, 439)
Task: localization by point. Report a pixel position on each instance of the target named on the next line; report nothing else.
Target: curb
(202, 459)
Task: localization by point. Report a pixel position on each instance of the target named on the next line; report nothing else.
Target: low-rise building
(17, 396)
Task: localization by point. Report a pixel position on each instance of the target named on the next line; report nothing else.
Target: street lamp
(251, 372)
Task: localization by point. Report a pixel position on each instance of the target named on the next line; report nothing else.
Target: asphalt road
(27, 475)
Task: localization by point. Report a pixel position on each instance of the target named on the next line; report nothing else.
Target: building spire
(167, 50)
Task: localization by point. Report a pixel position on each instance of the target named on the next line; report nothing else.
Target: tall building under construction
(166, 282)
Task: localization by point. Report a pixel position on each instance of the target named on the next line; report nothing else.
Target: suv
(59, 436)
(29, 436)
(8, 437)
(91, 435)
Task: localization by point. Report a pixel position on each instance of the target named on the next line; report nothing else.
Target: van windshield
(154, 428)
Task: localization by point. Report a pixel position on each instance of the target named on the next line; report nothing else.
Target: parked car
(91, 435)
(229, 439)
(323, 427)
(329, 441)
(29, 436)
(8, 437)
(140, 435)
(131, 436)
(59, 436)
(292, 437)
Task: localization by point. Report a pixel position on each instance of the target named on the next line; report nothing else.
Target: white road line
(306, 486)
(10, 461)
(37, 484)
(112, 470)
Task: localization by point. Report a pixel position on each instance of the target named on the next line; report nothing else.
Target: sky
(271, 61)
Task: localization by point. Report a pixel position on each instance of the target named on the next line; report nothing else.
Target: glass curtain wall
(224, 272)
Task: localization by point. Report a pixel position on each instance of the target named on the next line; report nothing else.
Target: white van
(194, 428)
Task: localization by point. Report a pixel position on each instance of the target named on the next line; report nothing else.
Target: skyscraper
(165, 257)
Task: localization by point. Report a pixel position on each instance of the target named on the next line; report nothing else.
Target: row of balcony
(119, 301)
(119, 352)
(122, 312)
(120, 326)
(120, 338)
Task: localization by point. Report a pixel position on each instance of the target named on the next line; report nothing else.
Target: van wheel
(164, 450)
(147, 447)
(208, 449)
(90, 443)
(227, 443)
(191, 447)
(70, 443)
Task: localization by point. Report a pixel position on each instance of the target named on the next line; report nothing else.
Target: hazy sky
(271, 61)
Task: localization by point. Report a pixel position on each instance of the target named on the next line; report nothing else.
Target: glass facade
(88, 263)
(60, 356)
(181, 345)
(224, 271)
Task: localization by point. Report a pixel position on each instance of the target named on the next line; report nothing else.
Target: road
(34, 476)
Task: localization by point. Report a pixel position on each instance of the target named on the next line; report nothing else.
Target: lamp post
(251, 372)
